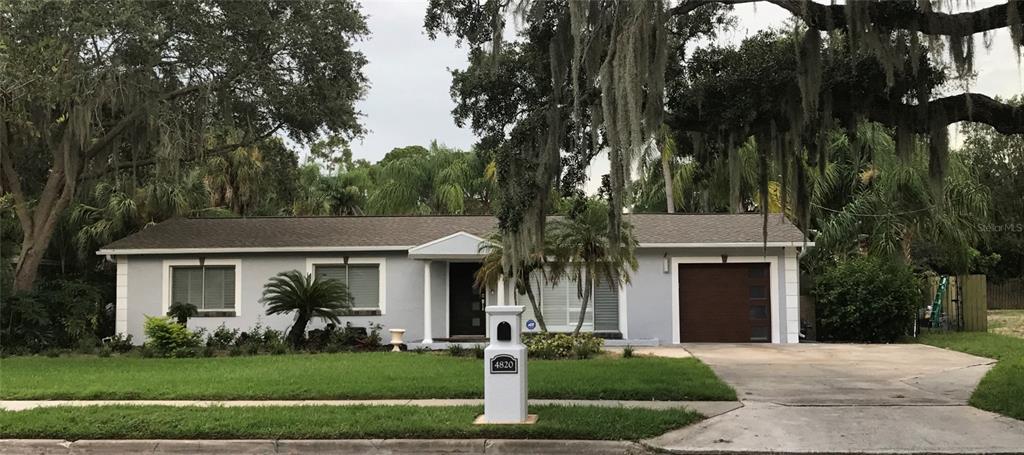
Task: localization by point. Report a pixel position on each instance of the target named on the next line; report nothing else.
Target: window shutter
(364, 285)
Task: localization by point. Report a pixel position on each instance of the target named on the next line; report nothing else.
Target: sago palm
(584, 253)
(306, 296)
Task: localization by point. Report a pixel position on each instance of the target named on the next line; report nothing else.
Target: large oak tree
(91, 87)
(607, 65)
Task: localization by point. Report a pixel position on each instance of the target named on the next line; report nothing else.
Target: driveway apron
(833, 398)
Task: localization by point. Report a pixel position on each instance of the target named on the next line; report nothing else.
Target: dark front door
(724, 303)
(465, 303)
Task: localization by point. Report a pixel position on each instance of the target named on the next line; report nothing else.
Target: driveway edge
(340, 446)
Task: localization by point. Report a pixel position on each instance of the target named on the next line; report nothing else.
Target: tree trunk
(666, 170)
(38, 223)
(536, 310)
(298, 330)
(735, 163)
(588, 287)
(906, 242)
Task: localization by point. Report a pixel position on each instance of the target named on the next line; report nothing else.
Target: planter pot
(396, 339)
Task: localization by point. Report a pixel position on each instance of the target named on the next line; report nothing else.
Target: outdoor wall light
(665, 263)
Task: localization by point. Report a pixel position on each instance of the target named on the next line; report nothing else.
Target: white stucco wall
(649, 297)
(646, 305)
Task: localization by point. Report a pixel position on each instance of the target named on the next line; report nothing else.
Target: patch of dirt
(1006, 322)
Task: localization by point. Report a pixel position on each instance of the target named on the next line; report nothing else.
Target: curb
(339, 446)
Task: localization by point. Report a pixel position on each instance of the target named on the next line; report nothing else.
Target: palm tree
(491, 270)
(112, 211)
(311, 197)
(306, 296)
(236, 179)
(584, 253)
(414, 180)
(873, 201)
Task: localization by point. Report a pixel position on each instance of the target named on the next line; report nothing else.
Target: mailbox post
(505, 369)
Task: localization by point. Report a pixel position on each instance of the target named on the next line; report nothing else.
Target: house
(701, 278)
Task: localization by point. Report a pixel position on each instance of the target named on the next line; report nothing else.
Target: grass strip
(332, 422)
(1002, 389)
(347, 376)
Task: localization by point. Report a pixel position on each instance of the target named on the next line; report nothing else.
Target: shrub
(867, 299)
(51, 352)
(627, 352)
(373, 340)
(562, 345)
(170, 338)
(58, 314)
(235, 351)
(332, 339)
(251, 348)
(105, 351)
(119, 343)
(222, 337)
(477, 350)
(456, 350)
(208, 351)
(181, 311)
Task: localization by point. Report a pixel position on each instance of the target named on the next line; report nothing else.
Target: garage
(724, 302)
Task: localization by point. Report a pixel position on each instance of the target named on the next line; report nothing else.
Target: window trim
(382, 270)
(169, 264)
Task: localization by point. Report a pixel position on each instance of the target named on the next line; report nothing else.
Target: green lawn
(1002, 389)
(348, 376)
(332, 422)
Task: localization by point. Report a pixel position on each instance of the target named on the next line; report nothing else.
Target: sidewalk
(705, 408)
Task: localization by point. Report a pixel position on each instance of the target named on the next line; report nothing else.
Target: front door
(465, 303)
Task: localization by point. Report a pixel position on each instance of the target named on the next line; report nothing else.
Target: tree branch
(129, 120)
(889, 15)
(13, 182)
(965, 107)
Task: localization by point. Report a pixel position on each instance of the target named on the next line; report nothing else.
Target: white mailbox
(505, 369)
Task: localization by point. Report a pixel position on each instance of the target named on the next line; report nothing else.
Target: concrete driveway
(845, 374)
(833, 398)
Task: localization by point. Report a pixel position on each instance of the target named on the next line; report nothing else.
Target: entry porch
(453, 304)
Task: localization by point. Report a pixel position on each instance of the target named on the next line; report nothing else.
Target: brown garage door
(724, 303)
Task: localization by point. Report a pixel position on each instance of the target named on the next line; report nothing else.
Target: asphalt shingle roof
(408, 231)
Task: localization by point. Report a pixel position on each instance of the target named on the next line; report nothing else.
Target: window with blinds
(363, 281)
(561, 306)
(209, 288)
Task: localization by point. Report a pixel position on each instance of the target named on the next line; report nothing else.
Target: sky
(409, 102)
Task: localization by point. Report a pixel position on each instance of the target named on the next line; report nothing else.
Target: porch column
(501, 291)
(428, 335)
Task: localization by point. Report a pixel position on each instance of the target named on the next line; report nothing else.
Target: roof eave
(284, 249)
(773, 244)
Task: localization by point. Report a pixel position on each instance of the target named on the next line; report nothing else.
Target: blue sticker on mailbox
(531, 324)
